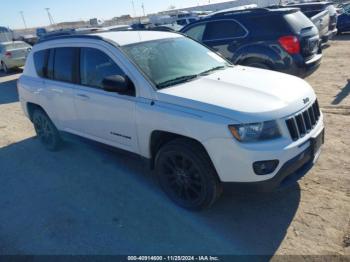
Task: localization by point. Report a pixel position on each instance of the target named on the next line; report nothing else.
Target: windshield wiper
(177, 80)
(212, 69)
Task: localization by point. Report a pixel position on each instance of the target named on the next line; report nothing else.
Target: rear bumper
(325, 38)
(17, 62)
(304, 68)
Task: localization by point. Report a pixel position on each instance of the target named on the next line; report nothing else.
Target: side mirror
(118, 84)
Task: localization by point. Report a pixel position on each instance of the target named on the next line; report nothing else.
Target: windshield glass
(174, 60)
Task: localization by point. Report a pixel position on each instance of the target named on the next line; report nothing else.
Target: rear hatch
(307, 33)
(322, 22)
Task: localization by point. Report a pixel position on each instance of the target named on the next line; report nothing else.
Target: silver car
(13, 54)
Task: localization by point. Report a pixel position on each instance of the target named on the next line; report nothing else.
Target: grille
(301, 124)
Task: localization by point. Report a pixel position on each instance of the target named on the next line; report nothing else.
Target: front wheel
(46, 130)
(186, 174)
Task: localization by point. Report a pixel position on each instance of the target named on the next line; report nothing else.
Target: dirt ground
(87, 200)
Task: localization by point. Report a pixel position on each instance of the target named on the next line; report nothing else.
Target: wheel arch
(31, 107)
(159, 138)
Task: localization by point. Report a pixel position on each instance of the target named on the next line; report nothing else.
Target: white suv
(200, 121)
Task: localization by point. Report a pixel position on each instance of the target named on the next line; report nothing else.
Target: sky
(72, 10)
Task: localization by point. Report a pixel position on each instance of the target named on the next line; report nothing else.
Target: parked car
(40, 32)
(323, 15)
(344, 20)
(13, 54)
(29, 39)
(280, 39)
(199, 121)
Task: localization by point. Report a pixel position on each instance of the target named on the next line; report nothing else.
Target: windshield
(174, 60)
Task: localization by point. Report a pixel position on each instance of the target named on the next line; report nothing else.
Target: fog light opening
(262, 168)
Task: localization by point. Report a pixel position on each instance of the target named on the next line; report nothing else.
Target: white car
(200, 121)
(13, 54)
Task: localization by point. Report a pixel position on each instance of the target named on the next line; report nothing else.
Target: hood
(244, 94)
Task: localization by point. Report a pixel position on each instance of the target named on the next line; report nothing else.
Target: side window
(50, 61)
(40, 60)
(95, 66)
(223, 30)
(65, 64)
(196, 32)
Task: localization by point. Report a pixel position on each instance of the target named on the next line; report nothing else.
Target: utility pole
(52, 22)
(24, 21)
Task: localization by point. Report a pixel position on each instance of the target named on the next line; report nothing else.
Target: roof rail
(244, 11)
(68, 36)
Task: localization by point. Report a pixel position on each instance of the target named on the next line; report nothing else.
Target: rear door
(224, 36)
(60, 84)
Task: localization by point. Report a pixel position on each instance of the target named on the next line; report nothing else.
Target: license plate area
(316, 144)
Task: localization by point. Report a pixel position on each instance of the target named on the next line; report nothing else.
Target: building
(220, 6)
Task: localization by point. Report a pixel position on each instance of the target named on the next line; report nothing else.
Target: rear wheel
(4, 67)
(186, 174)
(46, 130)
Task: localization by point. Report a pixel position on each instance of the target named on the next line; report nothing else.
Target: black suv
(280, 39)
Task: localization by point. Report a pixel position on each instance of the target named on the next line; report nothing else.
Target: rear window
(225, 29)
(65, 64)
(40, 59)
(269, 25)
(16, 46)
(298, 21)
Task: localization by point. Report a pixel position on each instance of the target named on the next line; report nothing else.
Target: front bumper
(233, 160)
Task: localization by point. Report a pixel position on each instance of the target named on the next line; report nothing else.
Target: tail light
(290, 43)
(8, 54)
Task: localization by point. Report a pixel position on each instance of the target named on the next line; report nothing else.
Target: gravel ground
(87, 199)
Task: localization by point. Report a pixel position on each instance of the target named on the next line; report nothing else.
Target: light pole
(133, 7)
(24, 21)
(143, 9)
(52, 22)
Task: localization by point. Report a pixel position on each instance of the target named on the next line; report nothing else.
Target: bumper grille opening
(304, 122)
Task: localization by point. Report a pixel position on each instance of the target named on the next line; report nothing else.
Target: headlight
(256, 131)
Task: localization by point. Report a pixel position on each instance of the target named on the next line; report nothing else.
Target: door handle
(83, 97)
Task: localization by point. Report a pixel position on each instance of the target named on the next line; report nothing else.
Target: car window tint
(181, 22)
(50, 60)
(95, 66)
(64, 64)
(196, 32)
(40, 59)
(269, 25)
(223, 29)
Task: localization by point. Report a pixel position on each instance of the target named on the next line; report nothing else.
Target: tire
(46, 130)
(186, 174)
(4, 68)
